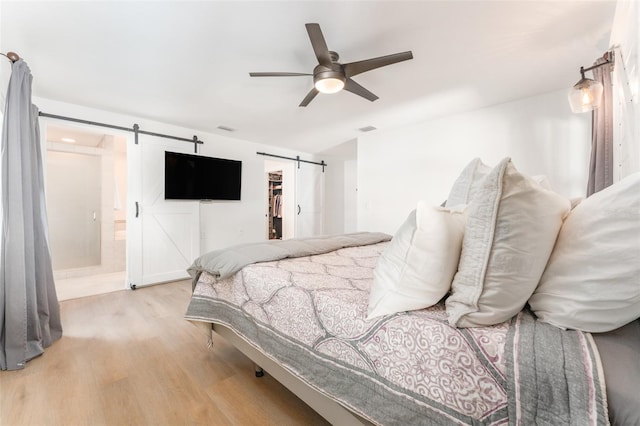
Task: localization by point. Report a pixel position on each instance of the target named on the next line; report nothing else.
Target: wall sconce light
(586, 94)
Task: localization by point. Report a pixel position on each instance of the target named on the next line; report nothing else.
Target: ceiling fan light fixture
(329, 85)
(329, 80)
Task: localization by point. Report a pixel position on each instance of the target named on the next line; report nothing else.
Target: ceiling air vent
(367, 128)
(226, 129)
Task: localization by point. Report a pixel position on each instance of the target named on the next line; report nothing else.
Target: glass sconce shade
(585, 95)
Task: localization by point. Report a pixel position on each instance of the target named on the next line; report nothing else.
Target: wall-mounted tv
(195, 177)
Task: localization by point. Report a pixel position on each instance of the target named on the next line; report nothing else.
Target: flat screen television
(196, 177)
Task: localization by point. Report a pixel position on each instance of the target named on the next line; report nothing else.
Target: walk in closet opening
(280, 199)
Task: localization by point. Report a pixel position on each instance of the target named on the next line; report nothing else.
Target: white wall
(625, 40)
(120, 174)
(399, 167)
(340, 188)
(222, 223)
(340, 195)
(350, 168)
(5, 76)
(334, 190)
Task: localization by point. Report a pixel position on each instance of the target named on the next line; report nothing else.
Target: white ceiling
(75, 136)
(188, 63)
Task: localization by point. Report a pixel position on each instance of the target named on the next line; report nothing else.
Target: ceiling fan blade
(276, 74)
(354, 87)
(355, 68)
(312, 94)
(319, 45)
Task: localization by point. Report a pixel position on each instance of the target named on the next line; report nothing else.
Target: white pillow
(543, 181)
(416, 269)
(592, 280)
(512, 225)
(467, 183)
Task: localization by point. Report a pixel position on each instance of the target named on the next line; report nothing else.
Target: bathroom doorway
(86, 193)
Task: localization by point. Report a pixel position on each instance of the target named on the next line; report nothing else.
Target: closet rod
(135, 129)
(322, 163)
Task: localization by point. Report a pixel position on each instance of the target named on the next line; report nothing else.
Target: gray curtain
(601, 164)
(29, 309)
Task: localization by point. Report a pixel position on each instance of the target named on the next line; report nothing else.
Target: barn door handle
(299, 209)
(137, 209)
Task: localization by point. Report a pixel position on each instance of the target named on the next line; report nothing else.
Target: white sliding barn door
(309, 200)
(167, 231)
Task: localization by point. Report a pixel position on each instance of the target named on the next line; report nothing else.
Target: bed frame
(333, 412)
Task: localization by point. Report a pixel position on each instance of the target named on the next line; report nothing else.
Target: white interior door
(166, 232)
(309, 200)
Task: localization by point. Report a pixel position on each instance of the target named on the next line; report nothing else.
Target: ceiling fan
(330, 76)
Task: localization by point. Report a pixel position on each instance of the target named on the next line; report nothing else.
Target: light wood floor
(129, 357)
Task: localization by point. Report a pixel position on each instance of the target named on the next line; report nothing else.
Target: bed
(301, 309)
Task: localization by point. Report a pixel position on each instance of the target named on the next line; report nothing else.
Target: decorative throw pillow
(467, 183)
(512, 225)
(592, 280)
(416, 269)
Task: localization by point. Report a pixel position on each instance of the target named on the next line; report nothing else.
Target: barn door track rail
(297, 159)
(135, 129)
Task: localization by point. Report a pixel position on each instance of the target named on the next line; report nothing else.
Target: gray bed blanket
(226, 262)
(555, 376)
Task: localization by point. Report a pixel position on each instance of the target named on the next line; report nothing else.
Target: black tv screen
(195, 177)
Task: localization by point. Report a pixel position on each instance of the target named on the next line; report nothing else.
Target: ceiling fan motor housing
(322, 72)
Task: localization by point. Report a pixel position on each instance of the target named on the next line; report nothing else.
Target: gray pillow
(620, 355)
(467, 184)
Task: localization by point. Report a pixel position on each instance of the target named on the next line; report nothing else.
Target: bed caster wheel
(259, 372)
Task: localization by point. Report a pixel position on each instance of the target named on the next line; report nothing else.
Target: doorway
(86, 194)
(280, 200)
(275, 205)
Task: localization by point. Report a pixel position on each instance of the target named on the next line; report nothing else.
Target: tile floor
(90, 285)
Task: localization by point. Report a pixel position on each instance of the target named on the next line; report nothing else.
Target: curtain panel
(29, 308)
(601, 162)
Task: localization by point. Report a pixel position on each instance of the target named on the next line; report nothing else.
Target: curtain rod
(322, 163)
(135, 129)
(12, 56)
